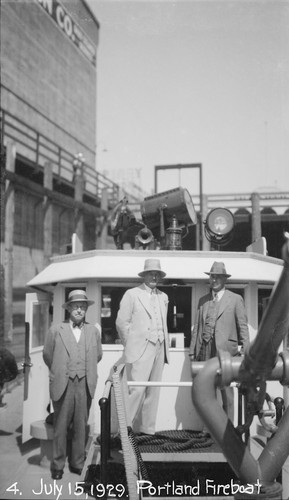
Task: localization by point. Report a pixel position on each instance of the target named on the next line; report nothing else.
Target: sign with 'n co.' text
(70, 28)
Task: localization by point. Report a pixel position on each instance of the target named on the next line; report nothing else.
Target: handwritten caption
(72, 489)
(100, 490)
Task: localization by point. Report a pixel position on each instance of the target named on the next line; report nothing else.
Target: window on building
(63, 228)
(28, 225)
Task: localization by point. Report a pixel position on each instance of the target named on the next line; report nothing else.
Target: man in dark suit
(71, 351)
(142, 326)
(220, 323)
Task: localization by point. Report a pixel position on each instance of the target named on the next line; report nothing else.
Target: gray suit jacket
(133, 322)
(231, 325)
(56, 356)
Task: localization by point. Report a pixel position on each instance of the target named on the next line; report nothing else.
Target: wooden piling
(8, 244)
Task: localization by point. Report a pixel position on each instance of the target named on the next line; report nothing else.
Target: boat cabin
(106, 275)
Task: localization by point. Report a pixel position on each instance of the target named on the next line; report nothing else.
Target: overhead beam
(61, 199)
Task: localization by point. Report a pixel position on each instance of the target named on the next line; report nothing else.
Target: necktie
(78, 325)
(210, 320)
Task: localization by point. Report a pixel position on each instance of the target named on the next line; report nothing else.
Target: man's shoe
(75, 470)
(57, 474)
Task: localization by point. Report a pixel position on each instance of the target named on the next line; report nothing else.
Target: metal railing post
(105, 414)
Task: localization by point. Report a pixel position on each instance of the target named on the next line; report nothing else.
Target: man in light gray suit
(142, 326)
(220, 323)
(71, 351)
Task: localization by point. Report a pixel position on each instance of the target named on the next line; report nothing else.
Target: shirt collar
(150, 290)
(219, 294)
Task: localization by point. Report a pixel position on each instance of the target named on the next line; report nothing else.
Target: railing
(105, 413)
(39, 149)
(278, 201)
(120, 385)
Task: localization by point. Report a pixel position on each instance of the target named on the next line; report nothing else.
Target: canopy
(182, 265)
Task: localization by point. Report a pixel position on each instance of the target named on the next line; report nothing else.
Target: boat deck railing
(134, 453)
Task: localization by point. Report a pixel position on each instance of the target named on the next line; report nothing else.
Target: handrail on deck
(105, 409)
(105, 413)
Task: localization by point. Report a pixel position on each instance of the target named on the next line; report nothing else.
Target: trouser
(208, 351)
(143, 401)
(71, 411)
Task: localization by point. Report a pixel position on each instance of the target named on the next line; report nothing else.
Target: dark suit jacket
(56, 356)
(231, 325)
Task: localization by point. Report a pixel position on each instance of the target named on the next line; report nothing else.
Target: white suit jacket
(134, 323)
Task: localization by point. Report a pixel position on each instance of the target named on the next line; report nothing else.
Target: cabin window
(40, 323)
(110, 300)
(179, 311)
(239, 290)
(263, 300)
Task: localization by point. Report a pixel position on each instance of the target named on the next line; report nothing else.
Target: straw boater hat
(152, 265)
(77, 296)
(219, 268)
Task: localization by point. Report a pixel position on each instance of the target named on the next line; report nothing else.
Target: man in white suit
(142, 326)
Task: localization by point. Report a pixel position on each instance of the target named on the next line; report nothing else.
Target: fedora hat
(77, 296)
(219, 268)
(152, 265)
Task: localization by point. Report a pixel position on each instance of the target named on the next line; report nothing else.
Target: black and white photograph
(144, 316)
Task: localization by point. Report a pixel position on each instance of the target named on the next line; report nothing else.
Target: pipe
(219, 373)
(276, 450)
(230, 373)
(262, 353)
(256, 230)
(221, 428)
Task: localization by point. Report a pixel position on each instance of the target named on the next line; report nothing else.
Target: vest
(210, 321)
(157, 329)
(76, 364)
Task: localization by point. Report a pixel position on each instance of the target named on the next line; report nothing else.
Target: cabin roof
(184, 265)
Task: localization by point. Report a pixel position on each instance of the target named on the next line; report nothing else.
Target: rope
(142, 467)
(173, 441)
(130, 462)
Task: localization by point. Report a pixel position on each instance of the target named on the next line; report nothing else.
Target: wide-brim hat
(77, 296)
(219, 268)
(152, 265)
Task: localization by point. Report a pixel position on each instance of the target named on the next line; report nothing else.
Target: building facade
(48, 132)
(49, 185)
(48, 78)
